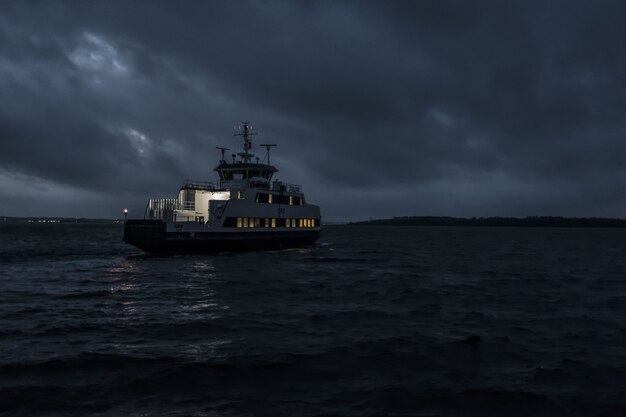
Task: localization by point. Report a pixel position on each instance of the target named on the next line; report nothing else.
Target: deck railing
(186, 205)
(225, 184)
(201, 185)
(293, 188)
(285, 186)
(161, 209)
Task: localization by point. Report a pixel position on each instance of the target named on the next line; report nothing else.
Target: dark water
(373, 321)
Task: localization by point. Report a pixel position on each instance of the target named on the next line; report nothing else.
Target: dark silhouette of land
(535, 221)
(532, 221)
(10, 219)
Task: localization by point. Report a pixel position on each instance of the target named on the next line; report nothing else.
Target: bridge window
(270, 198)
(286, 199)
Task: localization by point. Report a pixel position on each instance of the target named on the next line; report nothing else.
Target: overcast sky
(379, 109)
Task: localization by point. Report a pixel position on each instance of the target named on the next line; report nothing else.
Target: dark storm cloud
(380, 109)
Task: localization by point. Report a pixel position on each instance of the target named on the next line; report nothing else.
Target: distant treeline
(535, 221)
(9, 219)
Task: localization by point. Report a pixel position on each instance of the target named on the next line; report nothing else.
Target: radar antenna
(245, 132)
(268, 146)
(223, 160)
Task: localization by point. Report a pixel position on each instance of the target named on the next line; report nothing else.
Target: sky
(379, 108)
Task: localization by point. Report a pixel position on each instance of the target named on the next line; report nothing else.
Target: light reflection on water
(203, 351)
(187, 295)
(125, 266)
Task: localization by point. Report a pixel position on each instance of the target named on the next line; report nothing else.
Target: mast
(268, 146)
(223, 160)
(246, 132)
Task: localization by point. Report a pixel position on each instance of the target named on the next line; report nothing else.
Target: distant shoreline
(530, 221)
(48, 220)
(534, 221)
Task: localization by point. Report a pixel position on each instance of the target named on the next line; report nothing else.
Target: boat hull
(151, 236)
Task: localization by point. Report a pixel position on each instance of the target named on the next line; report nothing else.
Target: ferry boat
(243, 210)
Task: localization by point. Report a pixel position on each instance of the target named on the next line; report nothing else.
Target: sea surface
(372, 321)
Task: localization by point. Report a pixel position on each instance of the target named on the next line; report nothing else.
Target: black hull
(151, 236)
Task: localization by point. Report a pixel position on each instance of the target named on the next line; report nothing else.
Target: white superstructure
(244, 202)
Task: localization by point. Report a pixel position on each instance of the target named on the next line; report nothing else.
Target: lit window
(251, 222)
(287, 223)
(273, 222)
(257, 222)
(239, 222)
(245, 222)
(267, 222)
(270, 199)
(240, 195)
(291, 200)
(293, 222)
(300, 222)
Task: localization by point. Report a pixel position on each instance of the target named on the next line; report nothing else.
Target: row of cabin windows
(291, 200)
(239, 174)
(300, 223)
(242, 222)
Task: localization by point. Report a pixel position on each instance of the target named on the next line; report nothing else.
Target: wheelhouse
(243, 171)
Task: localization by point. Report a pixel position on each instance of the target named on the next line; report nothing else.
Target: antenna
(268, 146)
(245, 132)
(223, 150)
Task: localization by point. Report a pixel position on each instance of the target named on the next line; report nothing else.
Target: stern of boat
(144, 234)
